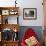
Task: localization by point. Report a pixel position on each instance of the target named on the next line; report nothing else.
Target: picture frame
(5, 12)
(13, 12)
(30, 13)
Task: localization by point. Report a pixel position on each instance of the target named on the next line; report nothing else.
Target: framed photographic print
(30, 13)
(5, 12)
(13, 12)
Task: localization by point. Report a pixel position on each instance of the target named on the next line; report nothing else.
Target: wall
(32, 4)
(27, 4)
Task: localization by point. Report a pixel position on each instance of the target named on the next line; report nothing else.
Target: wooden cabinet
(6, 27)
(10, 43)
(6, 12)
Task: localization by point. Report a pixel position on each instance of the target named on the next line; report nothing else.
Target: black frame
(35, 13)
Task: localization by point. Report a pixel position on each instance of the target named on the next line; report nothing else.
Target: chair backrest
(29, 32)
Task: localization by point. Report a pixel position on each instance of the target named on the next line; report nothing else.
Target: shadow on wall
(37, 29)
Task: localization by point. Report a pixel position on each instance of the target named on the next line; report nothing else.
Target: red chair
(29, 33)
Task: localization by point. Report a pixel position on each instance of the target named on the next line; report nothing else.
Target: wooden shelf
(11, 26)
(9, 43)
(4, 12)
(9, 10)
(5, 8)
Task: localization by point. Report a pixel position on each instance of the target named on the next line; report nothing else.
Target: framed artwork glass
(5, 12)
(30, 13)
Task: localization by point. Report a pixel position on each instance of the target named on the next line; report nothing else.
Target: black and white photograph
(29, 13)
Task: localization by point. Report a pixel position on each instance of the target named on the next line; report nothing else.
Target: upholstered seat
(29, 36)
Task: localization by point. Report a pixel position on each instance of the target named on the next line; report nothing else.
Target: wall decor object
(30, 13)
(13, 12)
(5, 12)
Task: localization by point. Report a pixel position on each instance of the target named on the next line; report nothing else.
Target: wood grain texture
(11, 26)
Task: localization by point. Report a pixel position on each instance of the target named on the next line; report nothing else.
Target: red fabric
(29, 33)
